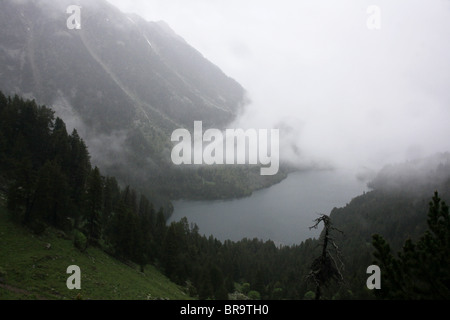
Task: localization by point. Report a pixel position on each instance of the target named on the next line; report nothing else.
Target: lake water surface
(282, 213)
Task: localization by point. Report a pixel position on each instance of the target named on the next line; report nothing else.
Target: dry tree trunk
(324, 268)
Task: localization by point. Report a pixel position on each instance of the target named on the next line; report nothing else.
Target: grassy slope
(28, 270)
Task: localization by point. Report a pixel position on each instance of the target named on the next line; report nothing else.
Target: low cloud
(347, 96)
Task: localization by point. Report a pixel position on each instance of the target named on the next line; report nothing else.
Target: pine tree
(421, 270)
(111, 199)
(60, 200)
(327, 267)
(3, 140)
(217, 283)
(118, 234)
(3, 101)
(77, 171)
(21, 191)
(160, 231)
(60, 148)
(204, 285)
(93, 207)
(170, 251)
(145, 238)
(51, 196)
(129, 198)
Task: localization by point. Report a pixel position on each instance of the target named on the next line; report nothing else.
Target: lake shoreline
(282, 213)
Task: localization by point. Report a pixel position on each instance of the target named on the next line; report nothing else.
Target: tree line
(49, 180)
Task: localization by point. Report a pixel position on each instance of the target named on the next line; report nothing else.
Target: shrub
(309, 295)
(80, 240)
(245, 288)
(254, 295)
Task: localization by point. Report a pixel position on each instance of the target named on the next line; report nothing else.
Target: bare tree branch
(325, 267)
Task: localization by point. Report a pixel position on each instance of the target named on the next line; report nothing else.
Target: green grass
(30, 270)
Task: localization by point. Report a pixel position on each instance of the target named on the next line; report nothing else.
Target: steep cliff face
(124, 83)
(119, 64)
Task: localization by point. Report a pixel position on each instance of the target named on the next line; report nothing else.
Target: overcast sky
(351, 96)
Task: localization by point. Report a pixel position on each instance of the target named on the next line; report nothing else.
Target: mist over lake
(282, 213)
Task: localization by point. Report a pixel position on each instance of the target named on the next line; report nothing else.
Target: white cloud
(352, 96)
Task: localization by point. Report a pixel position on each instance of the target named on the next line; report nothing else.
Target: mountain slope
(396, 209)
(47, 182)
(34, 267)
(143, 69)
(125, 84)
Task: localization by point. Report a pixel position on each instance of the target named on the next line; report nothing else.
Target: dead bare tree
(328, 265)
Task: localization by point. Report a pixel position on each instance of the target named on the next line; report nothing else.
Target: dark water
(282, 213)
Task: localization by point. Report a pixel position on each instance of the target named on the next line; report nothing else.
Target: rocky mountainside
(116, 68)
(125, 84)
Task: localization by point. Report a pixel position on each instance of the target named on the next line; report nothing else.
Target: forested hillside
(33, 267)
(125, 84)
(48, 181)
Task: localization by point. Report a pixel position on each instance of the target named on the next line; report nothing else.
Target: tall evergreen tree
(3, 101)
(129, 198)
(145, 238)
(60, 148)
(111, 198)
(78, 171)
(160, 231)
(421, 270)
(217, 283)
(60, 200)
(118, 235)
(170, 251)
(93, 207)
